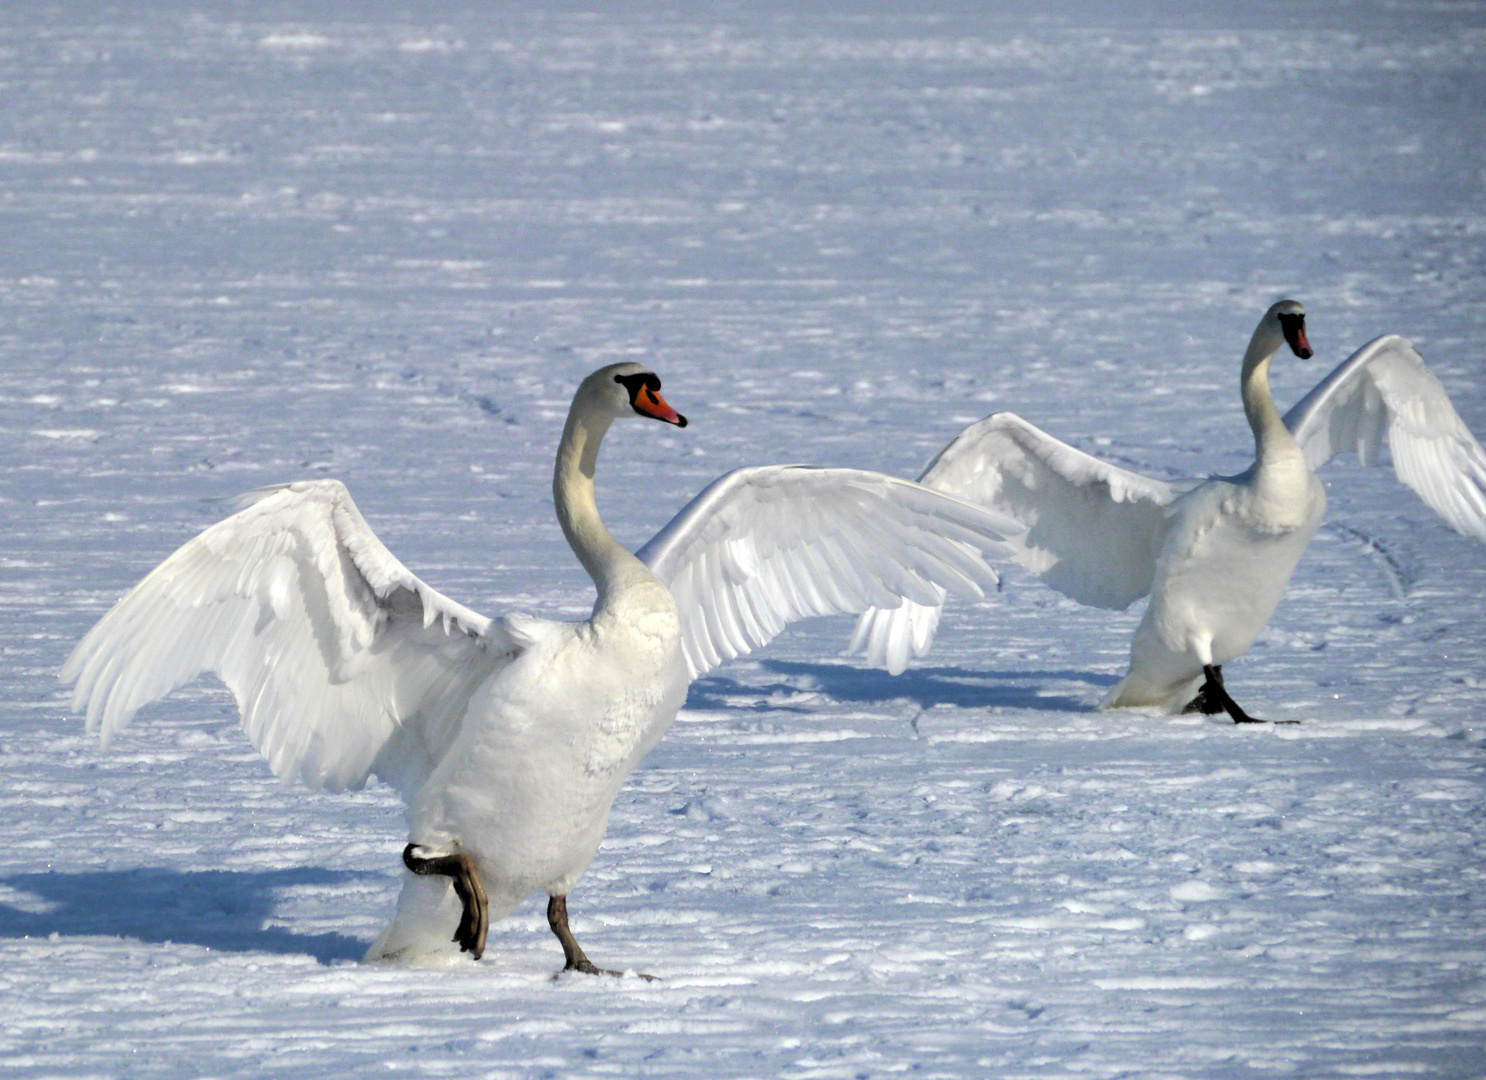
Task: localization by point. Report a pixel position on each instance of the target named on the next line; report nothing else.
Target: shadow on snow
(923, 686)
(224, 910)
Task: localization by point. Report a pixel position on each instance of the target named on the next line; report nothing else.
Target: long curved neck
(1272, 440)
(606, 561)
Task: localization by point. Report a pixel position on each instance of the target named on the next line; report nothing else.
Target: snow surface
(251, 243)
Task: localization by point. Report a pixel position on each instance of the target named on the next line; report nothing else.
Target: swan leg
(474, 922)
(1207, 701)
(1212, 698)
(577, 960)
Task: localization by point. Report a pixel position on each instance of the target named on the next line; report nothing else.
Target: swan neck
(606, 561)
(1271, 437)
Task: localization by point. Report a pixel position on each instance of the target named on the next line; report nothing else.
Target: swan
(508, 739)
(1214, 555)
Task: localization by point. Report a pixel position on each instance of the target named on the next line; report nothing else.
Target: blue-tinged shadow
(219, 909)
(923, 686)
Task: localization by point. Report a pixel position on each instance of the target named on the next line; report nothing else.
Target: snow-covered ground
(250, 243)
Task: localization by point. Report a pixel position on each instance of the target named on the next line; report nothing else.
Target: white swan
(508, 739)
(1214, 555)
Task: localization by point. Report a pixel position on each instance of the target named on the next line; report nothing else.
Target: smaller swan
(509, 740)
(1214, 555)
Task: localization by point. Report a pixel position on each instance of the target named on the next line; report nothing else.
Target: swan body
(1213, 555)
(1229, 552)
(508, 739)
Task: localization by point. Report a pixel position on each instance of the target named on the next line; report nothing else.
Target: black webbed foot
(1212, 699)
(1207, 701)
(576, 959)
(474, 920)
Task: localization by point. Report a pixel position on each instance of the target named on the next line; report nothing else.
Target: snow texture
(248, 244)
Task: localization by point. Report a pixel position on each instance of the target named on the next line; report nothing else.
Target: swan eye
(639, 382)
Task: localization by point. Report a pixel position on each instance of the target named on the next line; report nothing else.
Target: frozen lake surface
(246, 245)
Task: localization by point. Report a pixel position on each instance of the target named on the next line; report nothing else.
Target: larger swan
(1214, 555)
(508, 739)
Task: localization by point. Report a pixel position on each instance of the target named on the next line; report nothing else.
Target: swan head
(627, 389)
(1289, 317)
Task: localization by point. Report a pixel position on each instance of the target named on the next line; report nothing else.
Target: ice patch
(1014, 791)
(1195, 892)
(78, 434)
(25, 901)
(291, 40)
(1258, 867)
(1332, 729)
(1165, 982)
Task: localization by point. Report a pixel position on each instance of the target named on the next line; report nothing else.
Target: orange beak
(648, 403)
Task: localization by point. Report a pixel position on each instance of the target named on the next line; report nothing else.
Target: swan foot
(474, 921)
(1207, 702)
(577, 960)
(1212, 699)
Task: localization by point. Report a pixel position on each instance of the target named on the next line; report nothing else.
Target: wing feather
(1091, 530)
(1383, 395)
(762, 547)
(342, 663)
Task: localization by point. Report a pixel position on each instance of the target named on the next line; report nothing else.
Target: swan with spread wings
(1214, 555)
(509, 739)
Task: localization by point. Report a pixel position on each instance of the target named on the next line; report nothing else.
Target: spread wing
(1091, 530)
(1383, 394)
(342, 662)
(762, 547)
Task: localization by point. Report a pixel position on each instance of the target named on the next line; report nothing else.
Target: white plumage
(1383, 395)
(329, 644)
(508, 739)
(1214, 555)
(743, 562)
